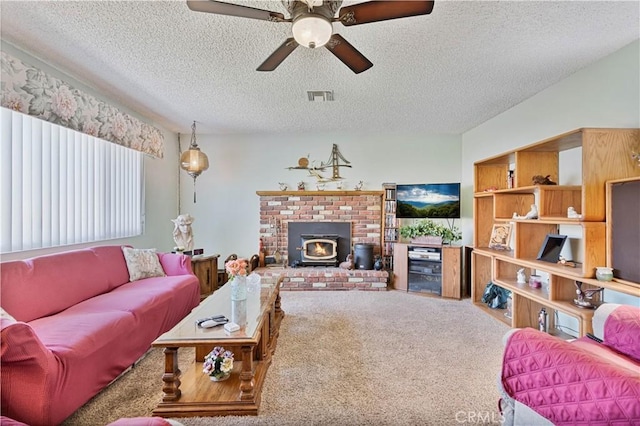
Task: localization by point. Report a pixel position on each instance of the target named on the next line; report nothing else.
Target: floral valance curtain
(31, 91)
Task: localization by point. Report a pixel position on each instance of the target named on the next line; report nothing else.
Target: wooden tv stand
(446, 257)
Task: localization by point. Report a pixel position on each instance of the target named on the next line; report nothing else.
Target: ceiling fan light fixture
(312, 31)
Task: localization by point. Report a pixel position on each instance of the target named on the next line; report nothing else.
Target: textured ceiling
(445, 72)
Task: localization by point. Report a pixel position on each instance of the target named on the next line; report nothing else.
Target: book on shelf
(390, 221)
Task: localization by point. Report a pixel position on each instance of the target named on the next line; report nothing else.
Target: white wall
(605, 94)
(227, 208)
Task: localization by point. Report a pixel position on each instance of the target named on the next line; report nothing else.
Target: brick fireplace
(362, 209)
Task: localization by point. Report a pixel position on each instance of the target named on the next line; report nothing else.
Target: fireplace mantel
(317, 193)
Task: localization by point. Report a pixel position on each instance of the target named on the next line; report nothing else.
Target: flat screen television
(428, 201)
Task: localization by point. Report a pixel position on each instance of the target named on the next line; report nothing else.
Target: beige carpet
(352, 358)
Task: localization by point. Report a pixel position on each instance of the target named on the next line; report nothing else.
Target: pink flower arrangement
(237, 267)
(218, 362)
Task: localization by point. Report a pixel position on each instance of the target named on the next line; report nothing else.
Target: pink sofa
(78, 322)
(549, 381)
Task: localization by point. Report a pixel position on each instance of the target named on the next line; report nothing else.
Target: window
(60, 187)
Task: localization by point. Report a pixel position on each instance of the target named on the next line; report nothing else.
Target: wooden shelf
(390, 229)
(605, 157)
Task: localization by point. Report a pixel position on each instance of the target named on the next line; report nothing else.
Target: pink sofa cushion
(82, 333)
(174, 264)
(45, 285)
(622, 331)
(26, 384)
(605, 353)
(140, 306)
(567, 384)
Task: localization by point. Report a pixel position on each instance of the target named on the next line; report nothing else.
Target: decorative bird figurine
(585, 296)
(377, 265)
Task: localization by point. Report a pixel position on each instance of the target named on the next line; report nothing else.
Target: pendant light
(194, 161)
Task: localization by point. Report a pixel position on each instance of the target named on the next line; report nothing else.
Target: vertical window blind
(59, 186)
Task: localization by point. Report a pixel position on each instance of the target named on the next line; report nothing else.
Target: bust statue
(182, 232)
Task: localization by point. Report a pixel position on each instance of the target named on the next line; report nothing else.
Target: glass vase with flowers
(237, 271)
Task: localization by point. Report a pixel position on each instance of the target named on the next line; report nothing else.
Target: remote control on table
(217, 318)
(213, 323)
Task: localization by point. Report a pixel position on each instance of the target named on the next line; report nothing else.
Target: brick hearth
(363, 209)
(317, 278)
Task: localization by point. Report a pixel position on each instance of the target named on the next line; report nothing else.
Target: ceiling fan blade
(220, 8)
(374, 11)
(279, 55)
(348, 54)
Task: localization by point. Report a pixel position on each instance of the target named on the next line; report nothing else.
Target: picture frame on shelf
(501, 236)
(551, 248)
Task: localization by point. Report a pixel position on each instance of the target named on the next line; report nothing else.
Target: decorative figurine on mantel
(532, 214)
(358, 186)
(348, 263)
(300, 186)
(182, 232)
(283, 186)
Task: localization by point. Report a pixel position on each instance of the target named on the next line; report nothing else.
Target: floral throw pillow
(142, 263)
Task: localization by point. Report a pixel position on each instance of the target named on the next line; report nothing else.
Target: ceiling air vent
(320, 95)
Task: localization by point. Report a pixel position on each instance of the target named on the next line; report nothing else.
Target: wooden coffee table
(191, 392)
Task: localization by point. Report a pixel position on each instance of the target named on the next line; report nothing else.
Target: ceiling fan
(312, 24)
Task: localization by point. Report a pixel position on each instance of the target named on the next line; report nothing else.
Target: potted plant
(427, 231)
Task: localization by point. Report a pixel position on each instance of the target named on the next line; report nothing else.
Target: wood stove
(318, 243)
(318, 250)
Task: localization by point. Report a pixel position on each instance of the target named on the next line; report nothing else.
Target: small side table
(206, 269)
